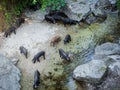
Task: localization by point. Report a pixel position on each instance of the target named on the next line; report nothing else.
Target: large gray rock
(108, 60)
(107, 5)
(112, 79)
(109, 54)
(90, 72)
(103, 71)
(108, 49)
(77, 9)
(9, 75)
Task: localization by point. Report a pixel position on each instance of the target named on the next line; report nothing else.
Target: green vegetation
(118, 4)
(53, 4)
(12, 8)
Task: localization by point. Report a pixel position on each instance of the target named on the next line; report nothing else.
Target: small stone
(15, 61)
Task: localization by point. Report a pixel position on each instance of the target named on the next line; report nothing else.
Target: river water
(35, 34)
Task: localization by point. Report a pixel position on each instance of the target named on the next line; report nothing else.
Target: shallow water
(36, 34)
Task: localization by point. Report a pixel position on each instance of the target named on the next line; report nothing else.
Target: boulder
(74, 10)
(112, 79)
(107, 59)
(109, 54)
(107, 5)
(9, 75)
(90, 72)
(78, 9)
(108, 49)
(103, 71)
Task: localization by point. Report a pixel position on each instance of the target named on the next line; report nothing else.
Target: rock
(108, 49)
(115, 57)
(113, 1)
(107, 5)
(103, 71)
(9, 75)
(90, 72)
(15, 61)
(91, 20)
(119, 41)
(109, 54)
(107, 59)
(74, 9)
(99, 57)
(112, 79)
(71, 84)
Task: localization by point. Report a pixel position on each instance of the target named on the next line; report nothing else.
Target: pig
(67, 39)
(63, 55)
(9, 31)
(36, 79)
(38, 55)
(55, 40)
(50, 19)
(24, 51)
(19, 22)
(69, 21)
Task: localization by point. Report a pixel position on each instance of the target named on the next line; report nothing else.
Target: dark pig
(9, 31)
(63, 55)
(58, 13)
(19, 21)
(67, 39)
(69, 21)
(23, 50)
(50, 19)
(36, 79)
(38, 55)
(57, 17)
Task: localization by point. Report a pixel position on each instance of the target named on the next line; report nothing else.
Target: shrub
(118, 4)
(53, 4)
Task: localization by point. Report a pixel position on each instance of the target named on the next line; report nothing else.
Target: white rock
(90, 72)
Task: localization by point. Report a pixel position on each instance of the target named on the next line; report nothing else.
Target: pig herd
(52, 17)
(58, 16)
(37, 56)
